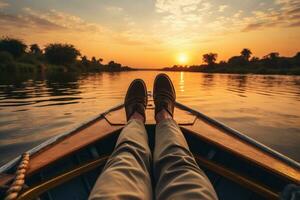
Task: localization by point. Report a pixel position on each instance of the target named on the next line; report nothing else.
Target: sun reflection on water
(181, 82)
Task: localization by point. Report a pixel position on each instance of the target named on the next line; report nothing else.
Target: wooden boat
(67, 166)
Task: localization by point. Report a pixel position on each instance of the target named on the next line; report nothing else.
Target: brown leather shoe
(136, 98)
(164, 94)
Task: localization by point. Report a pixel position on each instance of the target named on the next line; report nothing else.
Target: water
(33, 109)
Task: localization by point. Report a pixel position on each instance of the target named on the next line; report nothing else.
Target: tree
(100, 60)
(271, 60)
(84, 60)
(246, 53)
(237, 61)
(6, 57)
(113, 66)
(297, 59)
(35, 49)
(210, 58)
(61, 54)
(14, 46)
(254, 59)
(272, 56)
(94, 60)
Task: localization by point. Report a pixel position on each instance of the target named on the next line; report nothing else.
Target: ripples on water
(33, 109)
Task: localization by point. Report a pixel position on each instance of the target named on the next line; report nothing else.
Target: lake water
(33, 109)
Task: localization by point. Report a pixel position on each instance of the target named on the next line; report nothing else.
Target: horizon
(157, 34)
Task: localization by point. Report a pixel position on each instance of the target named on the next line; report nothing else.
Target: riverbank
(245, 63)
(238, 70)
(30, 64)
(18, 57)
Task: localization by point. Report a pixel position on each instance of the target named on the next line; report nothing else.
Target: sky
(156, 33)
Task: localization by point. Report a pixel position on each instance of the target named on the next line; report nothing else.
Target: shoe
(136, 98)
(164, 94)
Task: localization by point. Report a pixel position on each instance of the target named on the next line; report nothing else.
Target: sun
(182, 58)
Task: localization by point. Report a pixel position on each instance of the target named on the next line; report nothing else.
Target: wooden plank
(241, 148)
(76, 141)
(36, 191)
(182, 117)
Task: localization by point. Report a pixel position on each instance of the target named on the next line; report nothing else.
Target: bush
(25, 67)
(14, 46)
(29, 58)
(6, 57)
(61, 54)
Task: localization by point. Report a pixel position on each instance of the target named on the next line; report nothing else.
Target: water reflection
(181, 82)
(237, 84)
(33, 109)
(208, 80)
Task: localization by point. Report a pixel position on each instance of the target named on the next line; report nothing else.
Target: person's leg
(176, 172)
(126, 173)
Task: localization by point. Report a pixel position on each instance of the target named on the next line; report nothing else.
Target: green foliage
(25, 67)
(6, 57)
(61, 54)
(14, 46)
(28, 58)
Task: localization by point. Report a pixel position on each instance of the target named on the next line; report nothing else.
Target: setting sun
(182, 58)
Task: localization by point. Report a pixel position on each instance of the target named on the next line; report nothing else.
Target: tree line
(16, 56)
(271, 63)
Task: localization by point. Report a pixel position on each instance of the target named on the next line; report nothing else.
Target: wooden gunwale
(216, 133)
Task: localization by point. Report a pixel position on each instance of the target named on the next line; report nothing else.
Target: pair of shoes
(163, 92)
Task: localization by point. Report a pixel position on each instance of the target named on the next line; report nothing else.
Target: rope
(14, 189)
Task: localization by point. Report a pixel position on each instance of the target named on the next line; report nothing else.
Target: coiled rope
(14, 189)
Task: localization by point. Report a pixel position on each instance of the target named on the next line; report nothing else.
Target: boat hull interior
(68, 170)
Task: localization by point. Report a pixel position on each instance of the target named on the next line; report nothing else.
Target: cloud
(59, 23)
(3, 4)
(114, 9)
(287, 15)
(222, 8)
(178, 15)
(52, 20)
(254, 26)
(295, 24)
(174, 6)
(62, 19)
(26, 21)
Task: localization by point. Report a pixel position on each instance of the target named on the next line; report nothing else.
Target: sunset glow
(182, 59)
(148, 33)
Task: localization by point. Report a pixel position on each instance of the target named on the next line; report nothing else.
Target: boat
(67, 165)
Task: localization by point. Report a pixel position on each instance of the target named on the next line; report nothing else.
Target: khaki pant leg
(176, 172)
(126, 174)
